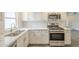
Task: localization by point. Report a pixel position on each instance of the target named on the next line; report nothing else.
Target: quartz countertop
(7, 41)
(65, 28)
(34, 28)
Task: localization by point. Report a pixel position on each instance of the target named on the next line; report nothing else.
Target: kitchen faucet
(12, 27)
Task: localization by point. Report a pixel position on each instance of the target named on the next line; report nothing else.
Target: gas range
(55, 29)
(56, 36)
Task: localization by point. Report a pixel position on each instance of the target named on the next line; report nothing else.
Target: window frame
(6, 29)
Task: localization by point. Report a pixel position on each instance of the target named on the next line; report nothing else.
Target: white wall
(19, 18)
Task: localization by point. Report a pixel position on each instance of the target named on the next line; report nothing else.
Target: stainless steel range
(56, 36)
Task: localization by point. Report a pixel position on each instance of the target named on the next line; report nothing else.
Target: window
(9, 19)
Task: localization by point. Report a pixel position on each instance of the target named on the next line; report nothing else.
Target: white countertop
(34, 28)
(65, 28)
(9, 41)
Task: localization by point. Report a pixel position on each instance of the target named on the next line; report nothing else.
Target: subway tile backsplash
(34, 24)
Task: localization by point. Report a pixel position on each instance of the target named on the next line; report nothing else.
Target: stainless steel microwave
(54, 16)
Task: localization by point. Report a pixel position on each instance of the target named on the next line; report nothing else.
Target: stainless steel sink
(16, 33)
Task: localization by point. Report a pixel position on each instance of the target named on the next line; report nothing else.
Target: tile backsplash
(34, 24)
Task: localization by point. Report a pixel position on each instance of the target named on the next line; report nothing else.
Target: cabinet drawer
(56, 43)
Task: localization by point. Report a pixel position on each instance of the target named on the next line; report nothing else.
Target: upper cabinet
(45, 16)
(35, 16)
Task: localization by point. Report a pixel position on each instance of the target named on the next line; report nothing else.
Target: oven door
(57, 36)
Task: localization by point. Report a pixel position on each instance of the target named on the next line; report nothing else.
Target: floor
(74, 37)
(38, 45)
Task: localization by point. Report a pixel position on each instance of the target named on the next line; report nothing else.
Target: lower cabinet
(39, 36)
(26, 40)
(36, 36)
(67, 37)
(20, 41)
(15, 44)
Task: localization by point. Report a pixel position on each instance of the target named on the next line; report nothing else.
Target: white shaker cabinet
(23, 40)
(44, 16)
(31, 16)
(15, 44)
(39, 37)
(20, 41)
(67, 37)
(26, 40)
(35, 16)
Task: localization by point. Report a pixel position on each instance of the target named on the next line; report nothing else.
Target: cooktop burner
(55, 28)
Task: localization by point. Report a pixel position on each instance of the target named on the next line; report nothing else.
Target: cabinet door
(20, 42)
(35, 16)
(44, 16)
(67, 37)
(44, 37)
(26, 40)
(14, 45)
(39, 37)
(33, 37)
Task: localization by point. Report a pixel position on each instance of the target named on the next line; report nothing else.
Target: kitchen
(36, 29)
